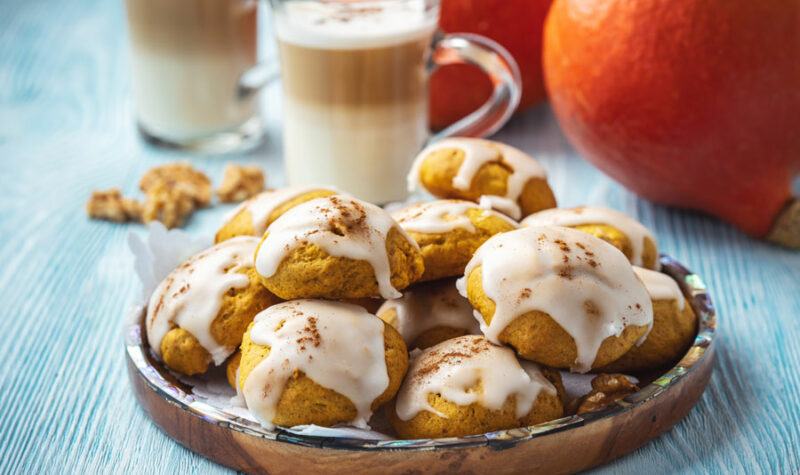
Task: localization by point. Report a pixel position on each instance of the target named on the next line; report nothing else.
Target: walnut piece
(110, 205)
(178, 178)
(167, 204)
(240, 183)
(606, 390)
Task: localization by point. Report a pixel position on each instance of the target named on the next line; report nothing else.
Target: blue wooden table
(66, 128)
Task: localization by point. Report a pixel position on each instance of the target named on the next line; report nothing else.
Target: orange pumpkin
(457, 90)
(692, 103)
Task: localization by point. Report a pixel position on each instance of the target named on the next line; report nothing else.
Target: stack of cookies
(313, 299)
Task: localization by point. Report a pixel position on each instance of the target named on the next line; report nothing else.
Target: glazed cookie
(500, 176)
(430, 313)
(468, 386)
(448, 232)
(337, 248)
(198, 314)
(674, 327)
(618, 229)
(253, 217)
(560, 297)
(319, 362)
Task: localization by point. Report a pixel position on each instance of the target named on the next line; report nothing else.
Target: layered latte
(355, 92)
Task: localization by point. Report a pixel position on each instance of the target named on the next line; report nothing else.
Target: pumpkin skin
(457, 90)
(688, 103)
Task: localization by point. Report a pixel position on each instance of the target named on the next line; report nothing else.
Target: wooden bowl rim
(164, 384)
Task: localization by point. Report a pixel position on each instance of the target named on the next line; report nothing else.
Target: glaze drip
(340, 226)
(660, 286)
(337, 345)
(585, 284)
(455, 368)
(191, 296)
(634, 230)
(263, 204)
(477, 153)
(442, 216)
(431, 305)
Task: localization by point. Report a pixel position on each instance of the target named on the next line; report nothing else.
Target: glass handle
(503, 72)
(255, 78)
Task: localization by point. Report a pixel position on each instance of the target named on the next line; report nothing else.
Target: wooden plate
(562, 446)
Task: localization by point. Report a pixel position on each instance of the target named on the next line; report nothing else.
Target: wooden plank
(65, 129)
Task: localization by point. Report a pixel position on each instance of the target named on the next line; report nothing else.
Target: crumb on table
(240, 183)
(168, 204)
(111, 206)
(179, 178)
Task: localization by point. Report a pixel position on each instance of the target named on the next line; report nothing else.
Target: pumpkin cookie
(198, 314)
(319, 362)
(337, 248)
(618, 229)
(500, 176)
(430, 313)
(468, 386)
(232, 368)
(253, 217)
(560, 297)
(674, 327)
(448, 232)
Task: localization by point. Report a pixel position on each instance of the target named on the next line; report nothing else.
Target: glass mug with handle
(355, 81)
(195, 73)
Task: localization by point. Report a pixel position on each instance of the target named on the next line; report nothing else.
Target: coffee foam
(354, 26)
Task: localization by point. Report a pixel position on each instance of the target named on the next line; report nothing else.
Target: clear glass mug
(195, 73)
(355, 81)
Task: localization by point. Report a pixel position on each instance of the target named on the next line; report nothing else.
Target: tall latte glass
(190, 60)
(355, 80)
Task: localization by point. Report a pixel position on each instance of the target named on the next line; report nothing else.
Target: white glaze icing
(634, 230)
(503, 205)
(337, 345)
(660, 286)
(442, 216)
(191, 296)
(557, 270)
(478, 152)
(366, 226)
(263, 204)
(430, 305)
(454, 368)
